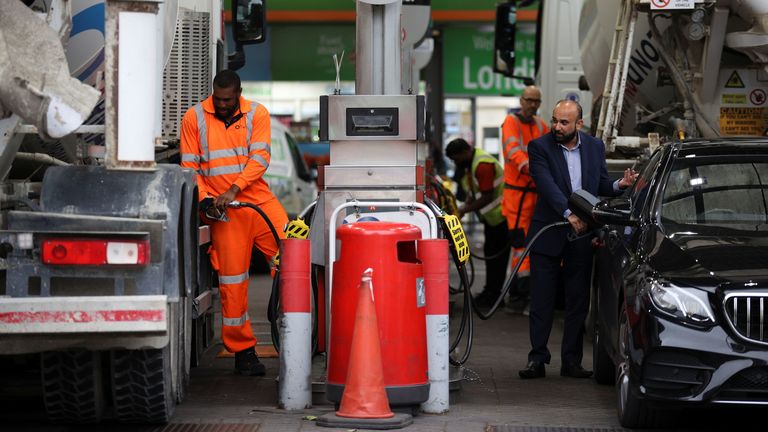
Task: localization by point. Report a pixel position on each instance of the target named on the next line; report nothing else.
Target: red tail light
(95, 252)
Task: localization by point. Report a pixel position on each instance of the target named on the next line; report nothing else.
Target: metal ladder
(616, 77)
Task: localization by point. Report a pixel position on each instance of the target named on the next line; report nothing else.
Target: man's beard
(226, 115)
(564, 138)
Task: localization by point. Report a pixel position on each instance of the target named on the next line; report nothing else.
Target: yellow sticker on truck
(743, 121)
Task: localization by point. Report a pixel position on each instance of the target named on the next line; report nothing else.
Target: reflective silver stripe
(521, 165)
(260, 160)
(497, 181)
(249, 122)
(233, 279)
(202, 130)
(186, 157)
(520, 132)
(491, 206)
(511, 139)
(226, 169)
(512, 151)
(235, 322)
(249, 126)
(256, 146)
(225, 153)
(539, 124)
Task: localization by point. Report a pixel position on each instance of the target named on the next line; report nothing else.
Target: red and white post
(433, 254)
(295, 386)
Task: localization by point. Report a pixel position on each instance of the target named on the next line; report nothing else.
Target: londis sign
(468, 56)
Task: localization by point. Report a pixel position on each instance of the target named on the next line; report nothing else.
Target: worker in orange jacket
(226, 140)
(519, 197)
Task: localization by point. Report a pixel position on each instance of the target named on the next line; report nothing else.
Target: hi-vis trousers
(231, 256)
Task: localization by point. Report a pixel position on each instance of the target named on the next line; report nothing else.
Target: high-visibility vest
(518, 183)
(223, 156)
(490, 213)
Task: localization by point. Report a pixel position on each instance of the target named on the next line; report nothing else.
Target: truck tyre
(144, 386)
(72, 386)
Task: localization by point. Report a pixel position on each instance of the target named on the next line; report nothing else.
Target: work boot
(247, 363)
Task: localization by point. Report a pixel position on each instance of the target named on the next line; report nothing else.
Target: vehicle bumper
(29, 325)
(673, 362)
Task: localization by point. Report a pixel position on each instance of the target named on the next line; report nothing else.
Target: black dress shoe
(574, 371)
(534, 369)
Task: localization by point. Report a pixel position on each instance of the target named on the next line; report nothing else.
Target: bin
(390, 250)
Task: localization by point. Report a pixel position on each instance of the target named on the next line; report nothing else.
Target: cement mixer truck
(105, 286)
(648, 71)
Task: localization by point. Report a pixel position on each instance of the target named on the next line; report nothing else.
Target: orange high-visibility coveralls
(222, 156)
(519, 197)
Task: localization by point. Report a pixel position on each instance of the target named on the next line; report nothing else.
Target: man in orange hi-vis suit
(519, 197)
(226, 140)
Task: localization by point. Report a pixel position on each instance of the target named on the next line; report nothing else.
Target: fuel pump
(376, 172)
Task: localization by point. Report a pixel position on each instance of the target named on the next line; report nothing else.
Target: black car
(682, 281)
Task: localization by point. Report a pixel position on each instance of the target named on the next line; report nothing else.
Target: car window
(302, 170)
(639, 193)
(278, 146)
(717, 190)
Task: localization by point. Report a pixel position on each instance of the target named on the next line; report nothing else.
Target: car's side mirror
(249, 18)
(596, 213)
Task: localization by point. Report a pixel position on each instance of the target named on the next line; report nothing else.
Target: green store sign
(468, 61)
(305, 52)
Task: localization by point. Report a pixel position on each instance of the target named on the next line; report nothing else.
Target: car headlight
(687, 304)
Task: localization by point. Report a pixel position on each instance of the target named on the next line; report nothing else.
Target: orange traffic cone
(364, 403)
(364, 395)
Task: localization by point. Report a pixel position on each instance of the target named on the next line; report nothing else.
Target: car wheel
(633, 412)
(605, 371)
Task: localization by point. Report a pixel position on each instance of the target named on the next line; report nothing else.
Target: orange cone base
(397, 421)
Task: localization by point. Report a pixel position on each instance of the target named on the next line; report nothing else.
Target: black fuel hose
(467, 322)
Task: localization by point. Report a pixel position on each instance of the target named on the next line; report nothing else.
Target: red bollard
(434, 258)
(295, 386)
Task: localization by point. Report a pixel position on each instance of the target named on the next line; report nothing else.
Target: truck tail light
(95, 252)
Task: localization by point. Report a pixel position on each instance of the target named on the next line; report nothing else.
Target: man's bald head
(566, 121)
(530, 101)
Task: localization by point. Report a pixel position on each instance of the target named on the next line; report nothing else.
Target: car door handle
(613, 238)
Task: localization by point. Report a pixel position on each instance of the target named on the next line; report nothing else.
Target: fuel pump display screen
(373, 122)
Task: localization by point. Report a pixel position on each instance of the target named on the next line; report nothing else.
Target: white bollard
(295, 382)
(434, 257)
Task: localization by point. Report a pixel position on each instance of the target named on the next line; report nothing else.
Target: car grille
(747, 315)
(749, 385)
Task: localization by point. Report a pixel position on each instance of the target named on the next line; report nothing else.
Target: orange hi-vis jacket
(519, 198)
(222, 156)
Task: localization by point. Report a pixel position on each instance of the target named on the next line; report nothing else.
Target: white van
(288, 175)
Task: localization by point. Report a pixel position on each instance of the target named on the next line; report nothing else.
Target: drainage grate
(511, 428)
(219, 427)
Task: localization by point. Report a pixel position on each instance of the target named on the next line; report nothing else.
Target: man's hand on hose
(577, 224)
(208, 210)
(227, 197)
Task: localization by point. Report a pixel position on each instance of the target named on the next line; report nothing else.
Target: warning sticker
(734, 99)
(757, 96)
(672, 4)
(734, 81)
(743, 121)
